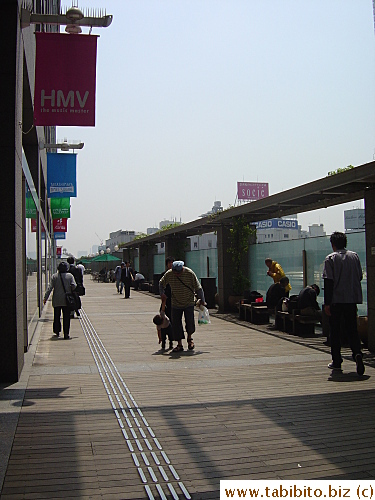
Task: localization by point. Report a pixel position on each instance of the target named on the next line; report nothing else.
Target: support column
(225, 268)
(176, 246)
(11, 200)
(146, 260)
(370, 264)
(128, 255)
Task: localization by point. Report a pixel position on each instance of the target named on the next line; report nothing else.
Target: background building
(354, 220)
(276, 230)
(214, 210)
(118, 237)
(313, 231)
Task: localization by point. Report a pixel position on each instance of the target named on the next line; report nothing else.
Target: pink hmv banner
(65, 80)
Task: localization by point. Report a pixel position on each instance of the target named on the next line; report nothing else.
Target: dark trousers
(57, 322)
(167, 332)
(343, 314)
(178, 330)
(127, 287)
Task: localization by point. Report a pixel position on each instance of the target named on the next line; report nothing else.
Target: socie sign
(252, 190)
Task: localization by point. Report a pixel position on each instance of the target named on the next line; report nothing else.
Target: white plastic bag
(203, 316)
(284, 305)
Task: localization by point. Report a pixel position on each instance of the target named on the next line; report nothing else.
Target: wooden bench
(245, 312)
(256, 313)
(296, 323)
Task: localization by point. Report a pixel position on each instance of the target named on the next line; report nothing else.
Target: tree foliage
(240, 233)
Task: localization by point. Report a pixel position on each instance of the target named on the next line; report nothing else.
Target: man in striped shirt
(184, 283)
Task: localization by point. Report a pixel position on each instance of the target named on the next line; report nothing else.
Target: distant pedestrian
(78, 276)
(276, 272)
(119, 283)
(60, 280)
(127, 277)
(342, 276)
(80, 266)
(184, 284)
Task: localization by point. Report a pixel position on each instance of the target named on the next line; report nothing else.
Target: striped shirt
(182, 287)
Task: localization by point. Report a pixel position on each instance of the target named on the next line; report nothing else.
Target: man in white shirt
(342, 276)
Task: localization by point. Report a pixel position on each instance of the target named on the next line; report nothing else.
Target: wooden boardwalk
(107, 415)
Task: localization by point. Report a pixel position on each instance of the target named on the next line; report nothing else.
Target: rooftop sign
(251, 191)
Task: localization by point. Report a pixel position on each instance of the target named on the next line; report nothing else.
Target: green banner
(30, 207)
(60, 208)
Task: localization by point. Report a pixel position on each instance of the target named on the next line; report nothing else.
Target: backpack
(292, 303)
(251, 296)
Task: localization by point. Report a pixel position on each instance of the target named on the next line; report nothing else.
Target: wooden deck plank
(248, 403)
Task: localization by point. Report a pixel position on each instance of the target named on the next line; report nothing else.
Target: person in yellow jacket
(276, 272)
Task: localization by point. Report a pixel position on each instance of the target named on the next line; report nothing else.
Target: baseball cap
(178, 265)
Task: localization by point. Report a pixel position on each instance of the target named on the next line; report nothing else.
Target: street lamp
(73, 18)
(64, 146)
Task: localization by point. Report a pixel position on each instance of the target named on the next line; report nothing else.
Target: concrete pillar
(146, 260)
(11, 199)
(370, 264)
(225, 267)
(176, 246)
(128, 255)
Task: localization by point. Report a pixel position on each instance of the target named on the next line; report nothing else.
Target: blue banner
(56, 236)
(277, 224)
(61, 175)
(59, 236)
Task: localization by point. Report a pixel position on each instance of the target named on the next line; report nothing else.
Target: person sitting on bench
(307, 302)
(277, 292)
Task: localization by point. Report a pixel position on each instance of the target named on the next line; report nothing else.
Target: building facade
(118, 237)
(354, 220)
(26, 261)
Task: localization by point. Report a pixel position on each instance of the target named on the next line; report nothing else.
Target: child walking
(163, 327)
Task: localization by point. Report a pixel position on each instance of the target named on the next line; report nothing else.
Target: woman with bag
(62, 283)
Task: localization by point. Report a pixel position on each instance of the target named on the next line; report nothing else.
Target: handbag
(73, 302)
(80, 290)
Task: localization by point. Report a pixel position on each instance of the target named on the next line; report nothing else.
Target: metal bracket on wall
(72, 18)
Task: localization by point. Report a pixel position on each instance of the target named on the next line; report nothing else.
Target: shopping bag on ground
(203, 316)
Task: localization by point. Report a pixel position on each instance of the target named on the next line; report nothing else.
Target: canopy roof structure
(332, 190)
(106, 257)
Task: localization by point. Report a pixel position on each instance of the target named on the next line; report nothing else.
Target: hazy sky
(195, 95)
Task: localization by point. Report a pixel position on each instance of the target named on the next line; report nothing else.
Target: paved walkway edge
(11, 401)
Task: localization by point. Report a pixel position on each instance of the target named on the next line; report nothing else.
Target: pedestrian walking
(60, 282)
(163, 327)
(127, 276)
(78, 277)
(184, 284)
(119, 283)
(342, 276)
